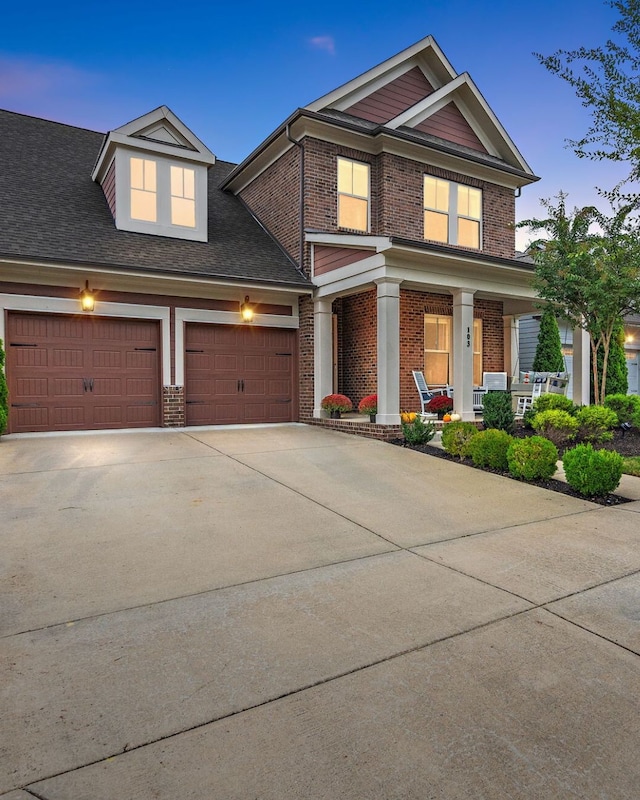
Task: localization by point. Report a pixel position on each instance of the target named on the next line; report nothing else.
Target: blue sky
(232, 73)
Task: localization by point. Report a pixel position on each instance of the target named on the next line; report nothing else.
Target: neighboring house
(371, 234)
(529, 326)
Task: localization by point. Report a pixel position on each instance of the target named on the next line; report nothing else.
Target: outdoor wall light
(246, 310)
(87, 300)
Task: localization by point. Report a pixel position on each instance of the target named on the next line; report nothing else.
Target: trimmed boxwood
(592, 473)
(456, 437)
(532, 459)
(489, 449)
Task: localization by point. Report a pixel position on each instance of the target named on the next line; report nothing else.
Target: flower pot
(335, 415)
(372, 417)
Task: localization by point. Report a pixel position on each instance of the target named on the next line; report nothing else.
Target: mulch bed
(627, 444)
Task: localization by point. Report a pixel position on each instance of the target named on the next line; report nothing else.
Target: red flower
(369, 404)
(336, 402)
(440, 403)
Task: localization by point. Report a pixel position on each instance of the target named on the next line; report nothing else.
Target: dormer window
(153, 172)
(143, 190)
(183, 197)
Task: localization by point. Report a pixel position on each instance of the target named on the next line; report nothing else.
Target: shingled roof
(51, 210)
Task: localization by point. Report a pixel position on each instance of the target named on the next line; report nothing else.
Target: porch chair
(525, 403)
(425, 392)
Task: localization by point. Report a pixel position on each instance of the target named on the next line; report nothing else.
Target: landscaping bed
(626, 444)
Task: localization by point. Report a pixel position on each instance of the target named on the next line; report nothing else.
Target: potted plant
(335, 404)
(440, 405)
(369, 405)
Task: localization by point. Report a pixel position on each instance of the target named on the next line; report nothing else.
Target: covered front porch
(374, 311)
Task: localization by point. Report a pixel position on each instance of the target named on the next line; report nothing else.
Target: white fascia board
(377, 243)
(427, 106)
(263, 160)
(419, 269)
(165, 113)
(150, 283)
(345, 93)
(464, 93)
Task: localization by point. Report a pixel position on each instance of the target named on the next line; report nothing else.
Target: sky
(232, 72)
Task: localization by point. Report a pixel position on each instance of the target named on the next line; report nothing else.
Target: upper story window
(183, 197)
(452, 212)
(144, 203)
(353, 195)
(162, 197)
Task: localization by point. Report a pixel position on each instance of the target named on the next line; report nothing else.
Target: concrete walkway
(288, 612)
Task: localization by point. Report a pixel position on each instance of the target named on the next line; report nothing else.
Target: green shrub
(595, 423)
(549, 401)
(456, 437)
(548, 356)
(531, 459)
(4, 394)
(527, 418)
(418, 431)
(489, 449)
(590, 472)
(626, 407)
(556, 425)
(498, 411)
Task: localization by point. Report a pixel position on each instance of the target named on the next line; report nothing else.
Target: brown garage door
(81, 372)
(240, 373)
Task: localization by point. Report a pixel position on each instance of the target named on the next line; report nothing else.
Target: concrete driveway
(288, 612)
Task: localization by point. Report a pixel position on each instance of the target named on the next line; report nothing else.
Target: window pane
(345, 176)
(477, 352)
(149, 175)
(475, 203)
(352, 213)
(177, 181)
(436, 369)
(436, 226)
(189, 183)
(361, 180)
(468, 233)
(143, 205)
(436, 194)
(137, 173)
(183, 212)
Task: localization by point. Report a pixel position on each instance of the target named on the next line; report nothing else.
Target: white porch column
(463, 353)
(388, 352)
(581, 367)
(511, 343)
(322, 354)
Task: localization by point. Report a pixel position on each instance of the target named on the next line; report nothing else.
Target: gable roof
(160, 131)
(52, 211)
(415, 87)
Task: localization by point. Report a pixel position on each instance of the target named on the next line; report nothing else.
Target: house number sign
(468, 337)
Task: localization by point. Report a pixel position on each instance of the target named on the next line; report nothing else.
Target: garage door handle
(241, 386)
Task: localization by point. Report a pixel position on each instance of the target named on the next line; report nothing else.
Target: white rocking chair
(427, 394)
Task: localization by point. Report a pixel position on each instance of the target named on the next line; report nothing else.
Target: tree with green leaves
(548, 357)
(607, 81)
(591, 278)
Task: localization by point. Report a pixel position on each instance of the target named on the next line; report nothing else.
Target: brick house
(371, 234)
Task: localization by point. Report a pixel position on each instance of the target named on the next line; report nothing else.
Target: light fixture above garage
(87, 300)
(246, 310)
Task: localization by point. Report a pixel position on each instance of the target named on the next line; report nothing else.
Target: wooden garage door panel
(238, 374)
(73, 373)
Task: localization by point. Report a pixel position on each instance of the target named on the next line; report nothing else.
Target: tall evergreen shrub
(548, 356)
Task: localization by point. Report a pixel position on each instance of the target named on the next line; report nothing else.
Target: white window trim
(358, 197)
(452, 214)
(163, 226)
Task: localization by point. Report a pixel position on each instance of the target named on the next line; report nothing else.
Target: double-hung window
(353, 195)
(438, 350)
(144, 203)
(452, 212)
